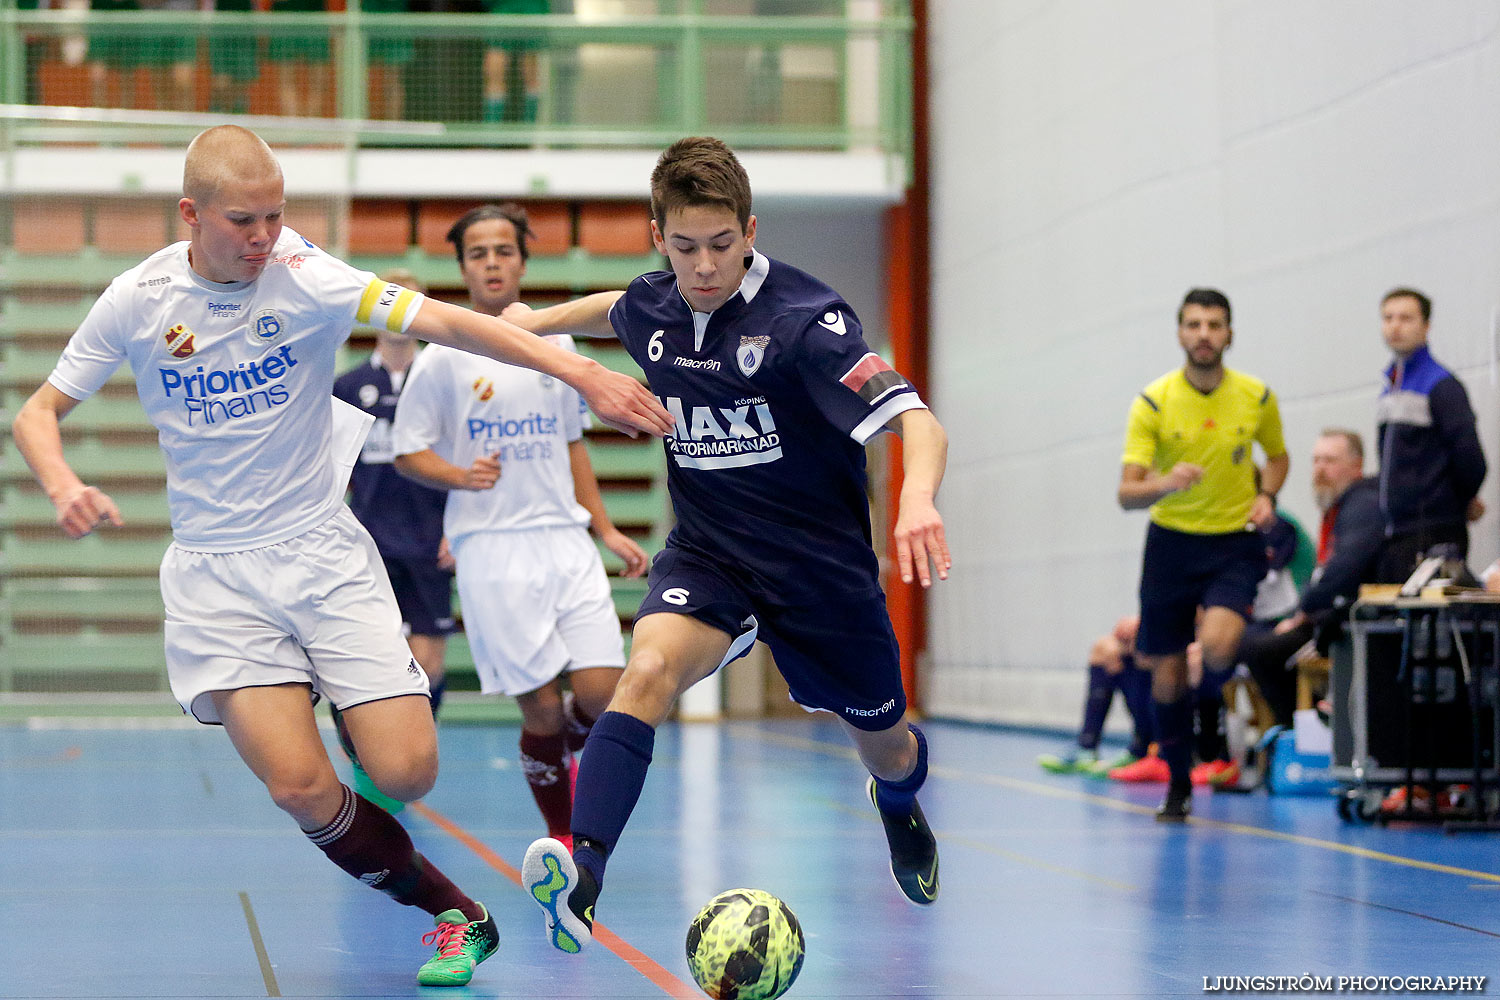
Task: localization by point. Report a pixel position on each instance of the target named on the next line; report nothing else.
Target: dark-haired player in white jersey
(509, 445)
(274, 594)
(775, 394)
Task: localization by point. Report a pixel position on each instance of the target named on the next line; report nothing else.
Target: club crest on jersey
(266, 327)
(179, 341)
(751, 352)
(484, 389)
(369, 395)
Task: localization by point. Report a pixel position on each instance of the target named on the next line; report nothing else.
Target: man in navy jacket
(1431, 464)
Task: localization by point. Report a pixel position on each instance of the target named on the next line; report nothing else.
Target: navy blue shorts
(839, 655)
(1181, 573)
(424, 593)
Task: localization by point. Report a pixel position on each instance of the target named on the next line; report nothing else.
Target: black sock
(1174, 731)
(1101, 695)
(1135, 685)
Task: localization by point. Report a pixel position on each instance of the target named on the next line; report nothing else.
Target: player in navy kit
(775, 393)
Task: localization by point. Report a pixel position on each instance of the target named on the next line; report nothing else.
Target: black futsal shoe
(1177, 806)
(914, 854)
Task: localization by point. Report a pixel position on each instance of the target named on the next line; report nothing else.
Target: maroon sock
(367, 842)
(542, 761)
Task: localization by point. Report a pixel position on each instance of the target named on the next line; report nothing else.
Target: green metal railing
(771, 82)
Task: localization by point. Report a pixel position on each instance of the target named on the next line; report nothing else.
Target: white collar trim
(755, 276)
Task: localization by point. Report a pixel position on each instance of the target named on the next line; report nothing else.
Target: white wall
(1092, 161)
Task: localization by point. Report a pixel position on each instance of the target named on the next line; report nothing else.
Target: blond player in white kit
(274, 594)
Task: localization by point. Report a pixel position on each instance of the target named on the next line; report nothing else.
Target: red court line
(622, 949)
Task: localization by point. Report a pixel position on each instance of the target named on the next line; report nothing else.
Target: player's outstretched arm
(585, 317)
(619, 400)
(80, 508)
(921, 545)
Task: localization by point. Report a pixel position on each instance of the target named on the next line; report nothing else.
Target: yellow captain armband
(389, 306)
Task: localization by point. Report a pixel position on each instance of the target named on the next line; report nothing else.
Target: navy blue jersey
(404, 517)
(775, 394)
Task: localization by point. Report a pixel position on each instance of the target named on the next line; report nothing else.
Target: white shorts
(316, 609)
(535, 603)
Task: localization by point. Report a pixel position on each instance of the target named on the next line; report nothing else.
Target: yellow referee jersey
(1171, 422)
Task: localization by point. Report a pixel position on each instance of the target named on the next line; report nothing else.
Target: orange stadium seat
(47, 225)
(552, 225)
(615, 228)
(379, 227)
(130, 225)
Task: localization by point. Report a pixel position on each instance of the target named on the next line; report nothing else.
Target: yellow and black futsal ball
(745, 945)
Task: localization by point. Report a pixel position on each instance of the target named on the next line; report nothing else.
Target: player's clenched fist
(483, 474)
(80, 512)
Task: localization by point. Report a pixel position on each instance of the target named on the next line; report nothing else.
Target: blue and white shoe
(563, 891)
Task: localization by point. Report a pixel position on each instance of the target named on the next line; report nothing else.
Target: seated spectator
(1349, 542)
(234, 64)
(170, 60)
(512, 70)
(1111, 668)
(388, 59)
(112, 58)
(304, 76)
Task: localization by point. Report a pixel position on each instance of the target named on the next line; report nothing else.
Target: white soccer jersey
(236, 379)
(463, 406)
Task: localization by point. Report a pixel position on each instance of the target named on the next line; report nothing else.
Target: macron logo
(833, 321)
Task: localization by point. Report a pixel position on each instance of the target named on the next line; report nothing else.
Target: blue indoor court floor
(149, 863)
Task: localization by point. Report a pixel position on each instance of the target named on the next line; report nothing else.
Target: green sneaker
(1100, 768)
(366, 789)
(1073, 762)
(461, 945)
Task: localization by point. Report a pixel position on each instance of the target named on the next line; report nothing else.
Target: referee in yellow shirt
(1188, 458)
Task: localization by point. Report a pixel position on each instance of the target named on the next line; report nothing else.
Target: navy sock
(610, 778)
(897, 796)
(1101, 695)
(1174, 732)
(1135, 685)
(1210, 715)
